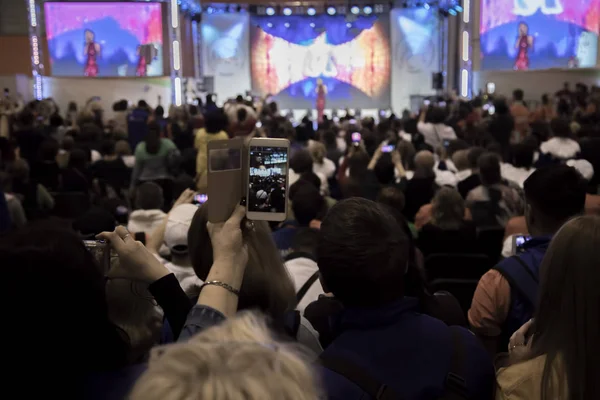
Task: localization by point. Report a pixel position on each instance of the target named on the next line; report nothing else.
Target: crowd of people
(446, 254)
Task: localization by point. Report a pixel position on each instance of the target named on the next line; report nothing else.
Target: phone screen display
(388, 149)
(521, 240)
(356, 137)
(200, 199)
(225, 159)
(267, 181)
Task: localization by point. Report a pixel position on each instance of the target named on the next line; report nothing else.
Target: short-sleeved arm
(490, 306)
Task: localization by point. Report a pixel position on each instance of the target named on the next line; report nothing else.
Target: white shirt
(435, 134)
(145, 220)
(326, 169)
(514, 174)
(561, 147)
(300, 270)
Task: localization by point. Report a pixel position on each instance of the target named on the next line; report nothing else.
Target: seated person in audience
(355, 177)
(308, 205)
(16, 217)
(556, 355)
(301, 265)
(506, 296)
(422, 187)
(473, 180)
(34, 198)
(123, 150)
(447, 231)
(461, 162)
(522, 164)
(493, 203)
(46, 171)
(55, 266)
(393, 197)
(148, 214)
(76, 177)
(363, 255)
(110, 171)
(173, 232)
(67, 145)
(561, 146)
(321, 164)
(238, 359)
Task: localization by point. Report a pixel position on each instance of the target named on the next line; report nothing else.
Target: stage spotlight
(451, 11)
(311, 11)
(312, 24)
(368, 10)
(355, 10)
(269, 25)
(287, 11)
(270, 11)
(287, 24)
(348, 25)
(331, 10)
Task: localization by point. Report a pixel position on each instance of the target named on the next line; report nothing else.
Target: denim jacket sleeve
(200, 318)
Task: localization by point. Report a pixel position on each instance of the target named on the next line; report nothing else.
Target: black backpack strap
(520, 278)
(360, 377)
(456, 386)
(302, 292)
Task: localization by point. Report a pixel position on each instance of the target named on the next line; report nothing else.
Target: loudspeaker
(437, 81)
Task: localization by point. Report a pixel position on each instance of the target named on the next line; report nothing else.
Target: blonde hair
(238, 359)
(318, 152)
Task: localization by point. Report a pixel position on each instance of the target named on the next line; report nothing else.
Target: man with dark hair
(363, 255)
(522, 164)
(506, 295)
(148, 215)
(470, 183)
(307, 205)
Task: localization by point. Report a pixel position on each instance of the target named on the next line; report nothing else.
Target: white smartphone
(268, 179)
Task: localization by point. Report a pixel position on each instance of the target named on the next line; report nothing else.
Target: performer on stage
(523, 44)
(91, 50)
(321, 93)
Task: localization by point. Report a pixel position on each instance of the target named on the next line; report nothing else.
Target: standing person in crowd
(152, 162)
(215, 129)
(493, 203)
(34, 197)
(111, 171)
(46, 170)
(321, 164)
(331, 146)
(28, 137)
(520, 113)
(422, 187)
(561, 146)
(76, 177)
(123, 151)
(522, 163)
(506, 296)
(435, 130)
(469, 183)
(363, 255)
(179, 129)
(545, 113)
(148, 213)
(557, 354)
(501, 126)
(447, 231)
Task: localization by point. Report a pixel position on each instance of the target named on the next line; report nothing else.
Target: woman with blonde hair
(561, 358)
(239, 359)
(321, 164)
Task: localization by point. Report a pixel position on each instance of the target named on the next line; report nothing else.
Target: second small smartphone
(268, 179)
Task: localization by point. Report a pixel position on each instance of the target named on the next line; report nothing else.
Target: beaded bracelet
(223, 285)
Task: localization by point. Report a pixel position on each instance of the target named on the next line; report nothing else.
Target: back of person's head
(448, 209)
(306, 240)
(522, 155)
(56, 120)
(19, 170)
(362, 254)
(489, 169)
(239, 99)
(545, 99)
(267, 286)
(518, 95)
(501, 106)
(384, 170)
(553, 194)
(358, 164)
(437, 115)
(142, 104)
(49, 150)
(407, 154)
(152, 138)
(78, 159)
(561, 127)
(215, 121)
(122, 148)
(108, 148)
(330, 139)
(461, 160)
(149, 196)
(392, 197)
(159, 112)
(318, 152)
(473, 156)
(68, 143)
(307, 204)
(55, 265)
(424, 161)
(25, 119)
(93, 222)
(301, 161)
(238, 359)
(566, 327)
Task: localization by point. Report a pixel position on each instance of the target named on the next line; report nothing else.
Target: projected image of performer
(90, 51)
(321, 91)
(523, 44)
(142, 65)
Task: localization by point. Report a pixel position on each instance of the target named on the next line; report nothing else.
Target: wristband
(225, 286)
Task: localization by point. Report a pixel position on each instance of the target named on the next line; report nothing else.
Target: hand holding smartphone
(356, 138)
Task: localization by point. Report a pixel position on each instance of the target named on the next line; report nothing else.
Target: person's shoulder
(521, 380)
